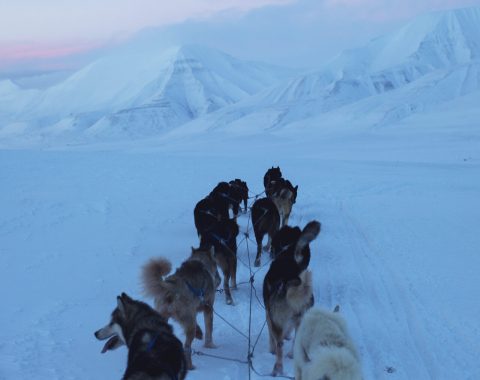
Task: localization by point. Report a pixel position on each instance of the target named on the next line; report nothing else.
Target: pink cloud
(53, 28)
(35, 50)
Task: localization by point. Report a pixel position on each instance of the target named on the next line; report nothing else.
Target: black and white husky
(154, 352)
(287, 292)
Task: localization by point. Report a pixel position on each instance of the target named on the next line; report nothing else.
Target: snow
(397, 251)
(386, 152)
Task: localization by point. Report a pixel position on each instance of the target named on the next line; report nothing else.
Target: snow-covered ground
(398, 249)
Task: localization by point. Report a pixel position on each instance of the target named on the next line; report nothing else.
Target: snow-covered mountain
(432, 59)
(140, 91)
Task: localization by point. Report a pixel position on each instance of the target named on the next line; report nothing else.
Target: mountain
(432, 59)
(139, 90)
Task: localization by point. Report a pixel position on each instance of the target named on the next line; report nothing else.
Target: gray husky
(182, 295)
(154, 352)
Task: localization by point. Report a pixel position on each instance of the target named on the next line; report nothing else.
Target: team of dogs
(322, 347)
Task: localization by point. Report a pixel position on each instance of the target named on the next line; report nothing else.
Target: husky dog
(268, 215)
(239, 191)
(223, 237)
(154, 353)
(224, 192)
(287, 293)
(280, 184)
(208, 211)
(323, 348)
(182, 295)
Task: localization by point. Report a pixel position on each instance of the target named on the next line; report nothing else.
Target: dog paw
(230, 302)
(277, 370)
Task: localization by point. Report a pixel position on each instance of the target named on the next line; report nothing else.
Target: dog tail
(330, 362)
(152, 275)
(309, 233)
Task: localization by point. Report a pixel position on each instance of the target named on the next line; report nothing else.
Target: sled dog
(154, 352)
(223, 237)
(287, 294)
(323, 348)
(186, 292)
(268, 215)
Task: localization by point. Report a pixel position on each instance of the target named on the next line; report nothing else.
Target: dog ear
(126, 297)
(121, 305)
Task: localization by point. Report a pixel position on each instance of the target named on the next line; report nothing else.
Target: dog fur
(285, 305)
(154, 352)
(239, 191)
(287, 293)
(265, 221)
(223, 237)
(208, 211)
(182, 295)
(323, 348)
(269, 179)
(268, 215)
(285, 241)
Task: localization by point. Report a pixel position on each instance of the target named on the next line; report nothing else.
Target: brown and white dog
(182, 295)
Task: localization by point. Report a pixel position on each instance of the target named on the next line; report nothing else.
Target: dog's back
(265, 221)
(324, 349)
(208, 211)
(155, 355)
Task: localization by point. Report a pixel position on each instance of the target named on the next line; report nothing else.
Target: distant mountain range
(137, 93)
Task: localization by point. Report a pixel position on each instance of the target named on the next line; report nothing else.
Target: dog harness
(200, 293)
(152, 342)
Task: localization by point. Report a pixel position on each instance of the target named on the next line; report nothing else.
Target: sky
(65, 34)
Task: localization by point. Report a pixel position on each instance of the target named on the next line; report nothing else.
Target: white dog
(323, 349)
